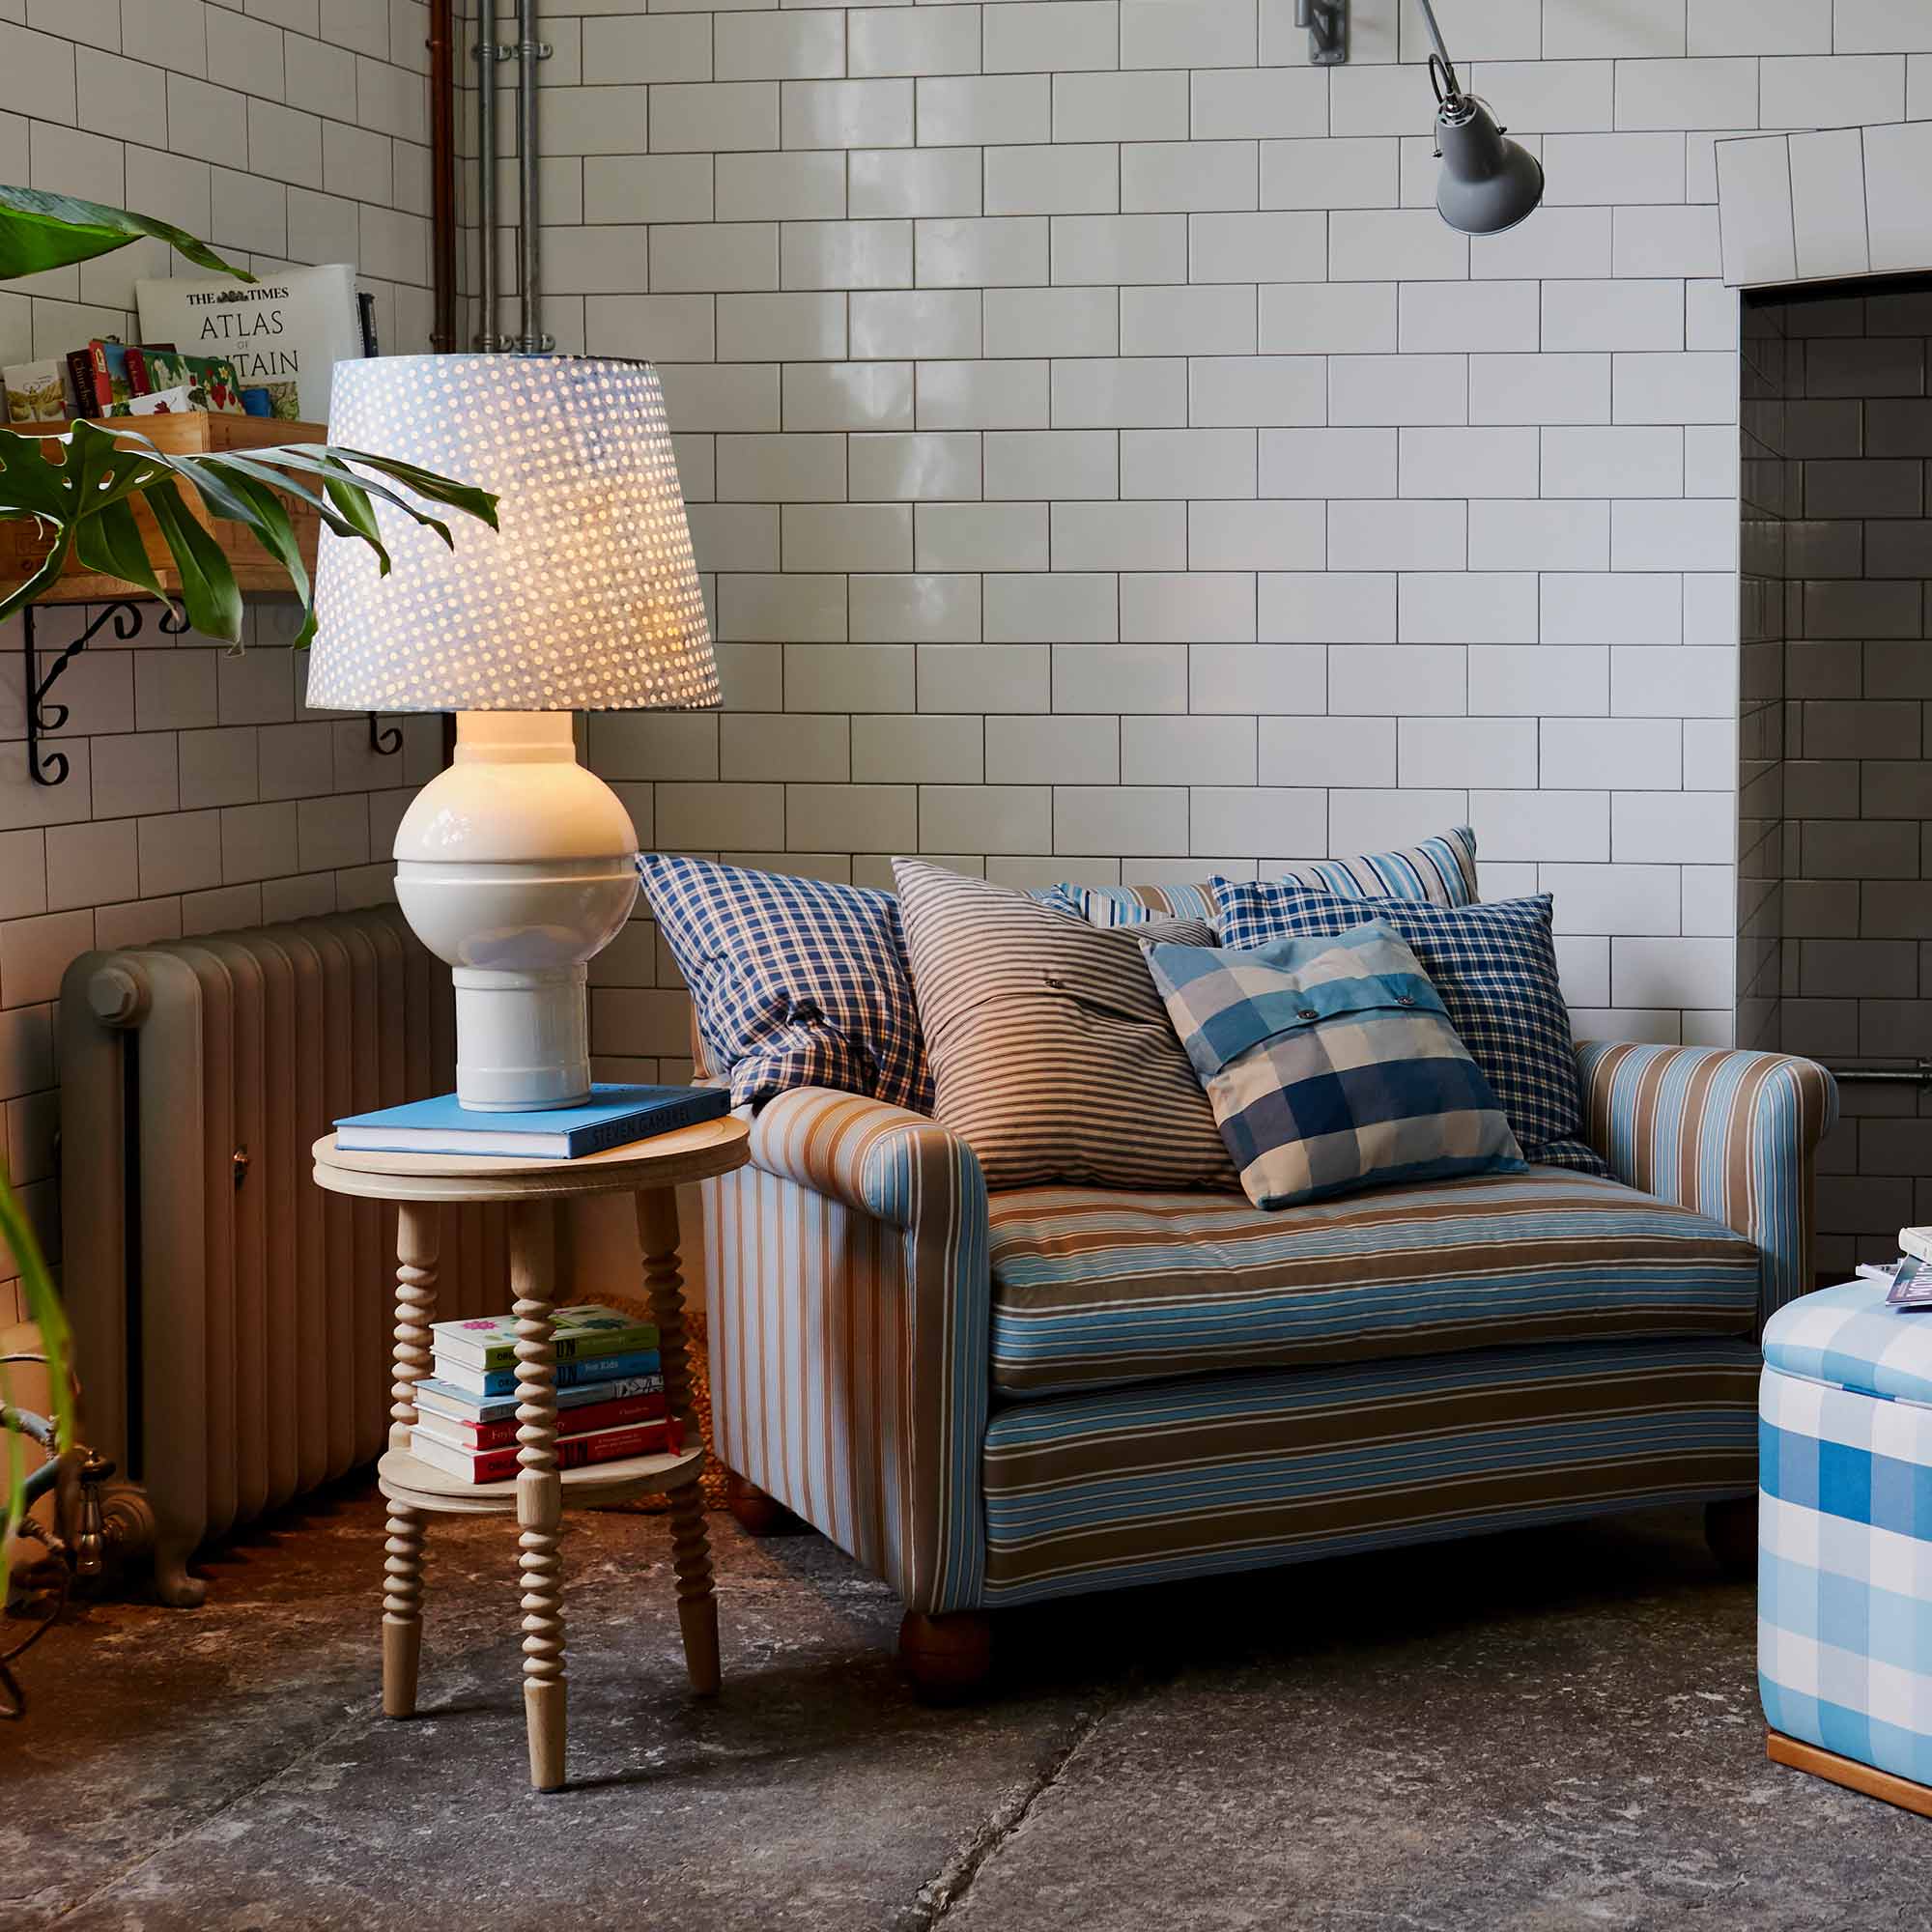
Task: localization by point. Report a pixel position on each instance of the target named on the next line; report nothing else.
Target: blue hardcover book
(474, 1382)
(436, 1397)
(611, 1117)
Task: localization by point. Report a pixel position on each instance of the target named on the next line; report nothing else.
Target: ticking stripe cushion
(1494, 966)
(1093, 1287)
(1442, 870)
(798, 982)
(1051, 1053)
(1331, 1066)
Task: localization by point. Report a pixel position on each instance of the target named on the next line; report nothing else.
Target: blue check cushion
(1494, 966)
(1845, 1528)
(1331, 1066)
(1442, 870)
(797, 982)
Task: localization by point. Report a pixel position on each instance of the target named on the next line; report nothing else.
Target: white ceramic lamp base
(518, 867)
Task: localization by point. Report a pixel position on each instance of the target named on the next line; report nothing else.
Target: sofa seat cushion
(1092, 1288)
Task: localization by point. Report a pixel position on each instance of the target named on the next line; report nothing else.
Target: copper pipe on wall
(488, 54)
(442, 173)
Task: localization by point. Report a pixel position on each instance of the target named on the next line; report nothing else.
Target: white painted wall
(203, 794)
(1109, 467)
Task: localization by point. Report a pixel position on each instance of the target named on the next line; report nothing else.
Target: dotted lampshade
(587, 599)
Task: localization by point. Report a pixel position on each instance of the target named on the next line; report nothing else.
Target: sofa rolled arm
(850, 1283)
(897, 1166)
(1731, 1134)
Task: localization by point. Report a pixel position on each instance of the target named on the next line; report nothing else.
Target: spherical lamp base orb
(518, 867)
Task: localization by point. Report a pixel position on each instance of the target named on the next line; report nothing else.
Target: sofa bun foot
(948, 1657)
(1730, 1529)
(756, 1513)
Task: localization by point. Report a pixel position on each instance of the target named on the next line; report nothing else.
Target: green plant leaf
(262, 512)
(243, 465)
(320, 460)
(104, 467)
(40, 230)
(109, 541)
(208, 584)
(45, 1311)
(465, 497)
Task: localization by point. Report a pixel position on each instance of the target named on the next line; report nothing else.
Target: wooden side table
(420, 1184)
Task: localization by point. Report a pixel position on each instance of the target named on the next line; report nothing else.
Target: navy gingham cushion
(1494, 966)
(1331, 1066)
(798, 982)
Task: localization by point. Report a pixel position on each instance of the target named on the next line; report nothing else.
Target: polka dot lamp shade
(587, 599)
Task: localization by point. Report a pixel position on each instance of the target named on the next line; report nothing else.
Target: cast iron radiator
(231, 1323)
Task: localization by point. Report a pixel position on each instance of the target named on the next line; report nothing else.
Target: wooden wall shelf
(189, 434)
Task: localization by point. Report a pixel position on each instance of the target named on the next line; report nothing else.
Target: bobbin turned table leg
(539, 1490)
(417, 1233)
(691, 1548)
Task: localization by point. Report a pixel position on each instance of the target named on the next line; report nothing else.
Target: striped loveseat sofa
(991, 1400)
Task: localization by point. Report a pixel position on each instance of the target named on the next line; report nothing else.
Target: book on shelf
(284, 333)
(436, 1397)
(569, 1375)
(573, 1452)
(578, 1334)
(35, 392)
(111, 384)
(471, 1437)
(613, 1117)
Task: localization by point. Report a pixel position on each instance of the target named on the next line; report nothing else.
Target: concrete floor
(1552, 1730)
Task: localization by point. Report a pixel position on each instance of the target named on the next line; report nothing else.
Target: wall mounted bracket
(127, 616)
(51, 768)
(1328, 24)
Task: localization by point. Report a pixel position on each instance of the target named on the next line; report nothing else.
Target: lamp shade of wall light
(1489, 182)
(516, 865)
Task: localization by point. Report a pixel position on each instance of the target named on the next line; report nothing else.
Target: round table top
(405, 1479)
(690, 1154)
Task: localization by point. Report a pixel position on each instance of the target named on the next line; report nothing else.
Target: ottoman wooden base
(1850, 1772)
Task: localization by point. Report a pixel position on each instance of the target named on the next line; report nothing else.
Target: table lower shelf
(407, 1479)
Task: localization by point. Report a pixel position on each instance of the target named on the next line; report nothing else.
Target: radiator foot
(172, 1583)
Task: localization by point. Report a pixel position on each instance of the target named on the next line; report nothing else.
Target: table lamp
(516, 866)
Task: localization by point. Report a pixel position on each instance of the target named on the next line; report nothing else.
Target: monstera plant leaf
(86, 501)
(45, 1311)
(39, 230)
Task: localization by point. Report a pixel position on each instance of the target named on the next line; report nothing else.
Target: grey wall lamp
(1488, 182)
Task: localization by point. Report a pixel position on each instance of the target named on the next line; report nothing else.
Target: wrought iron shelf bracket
(127, 617)
(50, 768)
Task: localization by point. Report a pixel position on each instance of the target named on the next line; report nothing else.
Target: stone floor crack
(939, 1894)
(352, 1719)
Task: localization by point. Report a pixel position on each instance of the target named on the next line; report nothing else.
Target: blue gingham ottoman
(1845, 1538)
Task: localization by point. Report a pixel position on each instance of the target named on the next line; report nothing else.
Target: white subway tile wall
(1839, 777)
(1106, 433)
(201, 793)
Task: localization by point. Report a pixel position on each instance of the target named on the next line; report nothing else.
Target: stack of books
(610, 1394)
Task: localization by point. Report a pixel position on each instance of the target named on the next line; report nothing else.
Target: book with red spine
(472, 1438)
(573, 1452)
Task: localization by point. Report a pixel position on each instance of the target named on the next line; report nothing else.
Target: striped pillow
(1494, 966)
(1051, 1052)
(1442, 870)
(1331, 1066)
(798, 982)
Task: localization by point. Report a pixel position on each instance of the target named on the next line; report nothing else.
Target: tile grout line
(948, 1886)
(351, 1722)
